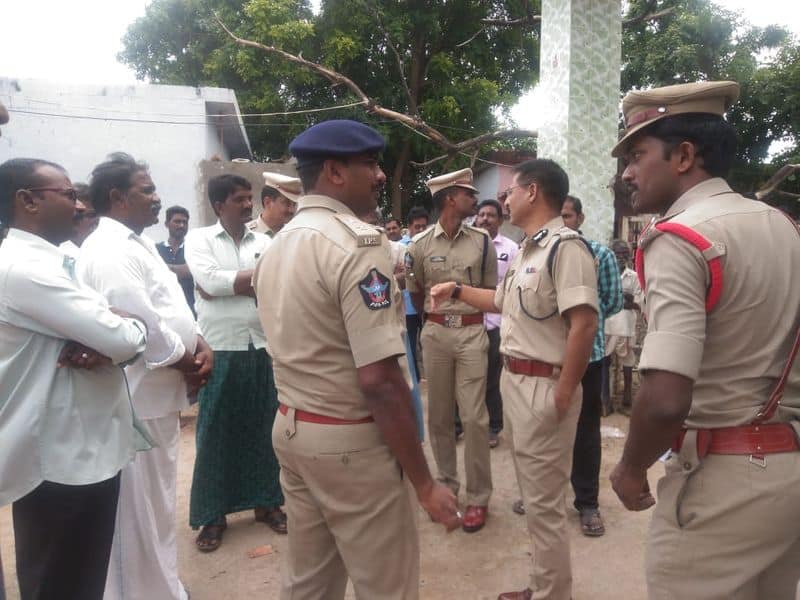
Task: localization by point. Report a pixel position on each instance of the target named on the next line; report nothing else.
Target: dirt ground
(456, 565)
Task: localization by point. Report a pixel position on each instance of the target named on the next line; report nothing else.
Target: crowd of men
(306, 377)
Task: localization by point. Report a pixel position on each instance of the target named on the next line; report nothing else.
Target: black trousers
(413, 327)
(586, 452)
(63, 540)
(494, 402)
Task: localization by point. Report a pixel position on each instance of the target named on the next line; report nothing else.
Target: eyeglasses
(504, 194)
(70, 193)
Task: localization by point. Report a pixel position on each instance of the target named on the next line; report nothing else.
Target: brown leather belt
(756, 440)
(455, 320)
(524, 366)
(308, 417)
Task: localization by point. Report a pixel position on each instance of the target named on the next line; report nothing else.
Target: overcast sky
(78, 40)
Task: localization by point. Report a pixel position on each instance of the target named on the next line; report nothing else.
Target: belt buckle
(452, 320)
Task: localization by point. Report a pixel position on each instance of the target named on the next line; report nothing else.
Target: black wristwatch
(456, 292)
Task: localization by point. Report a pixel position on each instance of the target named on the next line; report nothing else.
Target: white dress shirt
(65, 425)
(127, 269)
(228, 321)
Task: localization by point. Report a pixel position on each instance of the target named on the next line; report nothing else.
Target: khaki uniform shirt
(532, 302)
(329, 304)
(259, 226)
(735, 353)
(433, 258)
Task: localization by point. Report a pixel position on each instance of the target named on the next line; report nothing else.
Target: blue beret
(338, 137)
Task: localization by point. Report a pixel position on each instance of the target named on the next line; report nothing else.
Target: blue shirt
(609, 294)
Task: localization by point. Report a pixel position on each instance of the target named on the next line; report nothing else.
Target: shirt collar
(218, 229)
(703, 190)
(320, 201)
(112, 227)
(33, 241)
(438, 230)
(546, 233)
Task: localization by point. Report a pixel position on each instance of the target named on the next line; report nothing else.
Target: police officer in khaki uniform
(723, 310)
(454, 337)
(345, 432)
(548, 301)
(279, 202)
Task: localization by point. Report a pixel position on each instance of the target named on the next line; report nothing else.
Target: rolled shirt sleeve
(675, 297)
(121, 280)
(60, 308)
(575, 277)
(205, 267)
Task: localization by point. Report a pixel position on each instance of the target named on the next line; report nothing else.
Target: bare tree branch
(414, 123)
(476, 142)
(412, 103)
(774, 181)
(472, 37)
(648, 17)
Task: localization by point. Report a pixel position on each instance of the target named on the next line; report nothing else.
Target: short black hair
(576, 203)
(549, 176)
(269, 192)
(491, 202)
(222, 186)
(18, 174)
(115, 173)
(715, 139)
(176, 210)
(395, 219)
(417, 212)
(82, 190)
(309, 173)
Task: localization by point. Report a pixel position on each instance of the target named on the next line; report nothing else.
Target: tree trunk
(400, 169)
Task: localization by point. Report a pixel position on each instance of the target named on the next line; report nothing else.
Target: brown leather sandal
(274, 517)
(210, 537)
(591, 522)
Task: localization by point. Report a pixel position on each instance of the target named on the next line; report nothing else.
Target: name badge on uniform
(503, 256)
(438, 259)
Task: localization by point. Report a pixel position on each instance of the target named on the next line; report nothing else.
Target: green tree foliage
(700, 41)
(463, 89)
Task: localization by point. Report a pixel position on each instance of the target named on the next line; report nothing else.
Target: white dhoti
(144, 554)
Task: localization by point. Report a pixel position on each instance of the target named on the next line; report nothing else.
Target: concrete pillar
(580, 78)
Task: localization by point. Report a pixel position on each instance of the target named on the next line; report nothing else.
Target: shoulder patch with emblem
(364, 233)
(375, 288)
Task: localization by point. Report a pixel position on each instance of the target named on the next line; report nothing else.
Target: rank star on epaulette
(375, 288)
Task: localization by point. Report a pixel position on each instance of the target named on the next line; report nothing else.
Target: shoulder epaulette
(565, 233)
(422, 234)
(364, 233)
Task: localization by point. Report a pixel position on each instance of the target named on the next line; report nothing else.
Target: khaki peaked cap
(462, 178)
(641, 108)
(287, 186)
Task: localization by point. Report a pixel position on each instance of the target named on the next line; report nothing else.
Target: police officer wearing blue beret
(345, 433)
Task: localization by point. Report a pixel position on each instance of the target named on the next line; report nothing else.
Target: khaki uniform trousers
(349, 513)
(725, 528)
(542, 450)
(456, 361)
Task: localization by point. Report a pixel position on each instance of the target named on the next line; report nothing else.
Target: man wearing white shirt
(125, 267)
(235, 468)
(65, 432)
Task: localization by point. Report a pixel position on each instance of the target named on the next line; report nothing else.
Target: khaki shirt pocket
(534, 301)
